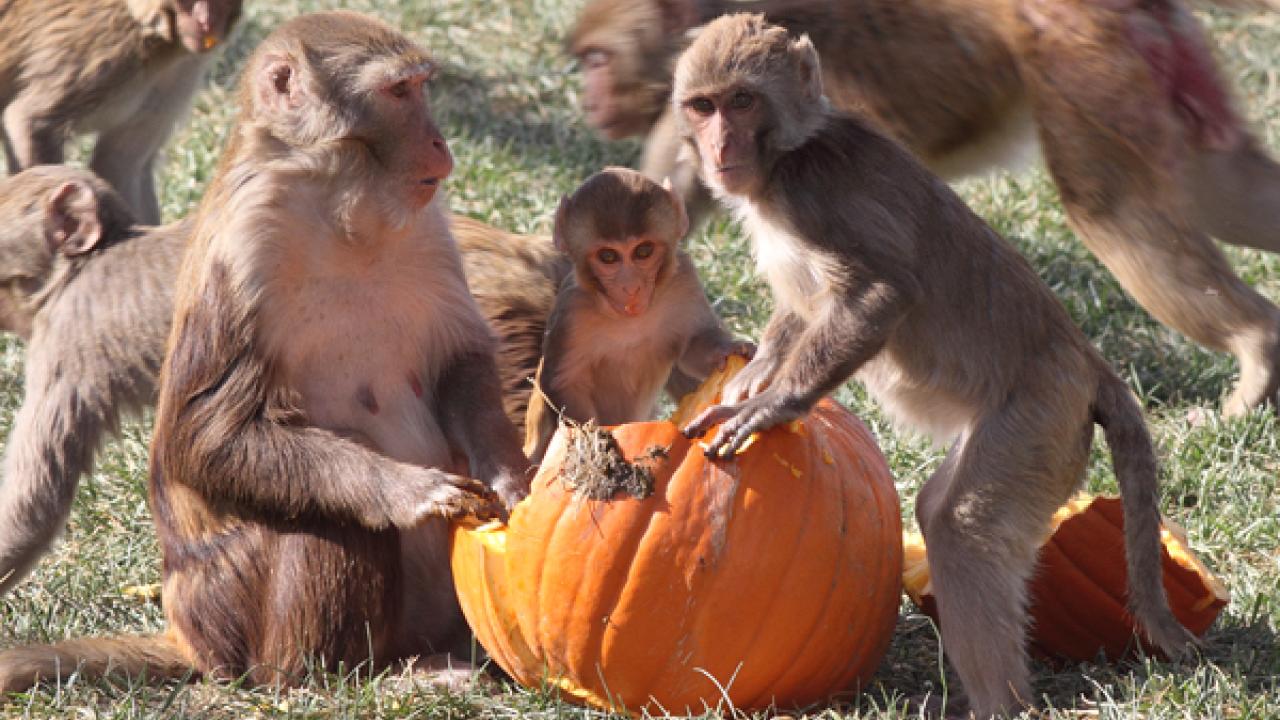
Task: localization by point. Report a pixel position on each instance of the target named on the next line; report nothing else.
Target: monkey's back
(991, 322)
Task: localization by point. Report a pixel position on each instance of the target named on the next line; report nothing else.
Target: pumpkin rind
(1077, 596)
(777, 574)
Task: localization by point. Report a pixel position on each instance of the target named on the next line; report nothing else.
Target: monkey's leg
(1237, 195)
(432, 628)
(1118, 152)
(33, 139)
(983, 515)
(1184, 281)
(124, 157)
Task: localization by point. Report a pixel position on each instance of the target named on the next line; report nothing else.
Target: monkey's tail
(1133, 456)
(159, 657)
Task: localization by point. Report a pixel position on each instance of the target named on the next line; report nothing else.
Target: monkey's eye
(608, 256)
(643, 250)
(595, 58)
(400, 90)
(702, 106)
(741, 100)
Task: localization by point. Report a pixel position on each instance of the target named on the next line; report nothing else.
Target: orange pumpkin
(1079, 589)
(770, 578)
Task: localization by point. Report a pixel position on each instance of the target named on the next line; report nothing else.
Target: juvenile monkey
(124, 69)
(1134, 119)
(91, 293)
(880, 270)
(326, 367)
(631, 313)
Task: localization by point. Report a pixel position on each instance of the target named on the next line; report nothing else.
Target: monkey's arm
(55, 435)
(222, 430)
(470, 404)
(850, 332)
(708, 349)
(779, 335)
(570, 396)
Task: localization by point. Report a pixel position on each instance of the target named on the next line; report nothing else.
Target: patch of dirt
(595, 468)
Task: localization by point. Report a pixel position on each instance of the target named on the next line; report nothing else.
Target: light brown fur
(299, 469)
(1137, 127)
(124, 69)
(94, 306)
(880, 271)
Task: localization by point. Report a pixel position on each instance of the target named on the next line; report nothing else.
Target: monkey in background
(879, 269)
(631, 313)
(91, 293)
(124, 69)
(1135, 122)
(300, 469)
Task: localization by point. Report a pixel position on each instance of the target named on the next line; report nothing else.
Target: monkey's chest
(625, 370)
(362, 358)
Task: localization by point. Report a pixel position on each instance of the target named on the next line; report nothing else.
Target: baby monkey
(632, 316)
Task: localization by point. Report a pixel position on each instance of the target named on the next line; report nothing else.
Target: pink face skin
(418, 148)
(204, 24)
(724, 126)
(627, 271)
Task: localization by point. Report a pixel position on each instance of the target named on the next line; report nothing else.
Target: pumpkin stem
(595, 468)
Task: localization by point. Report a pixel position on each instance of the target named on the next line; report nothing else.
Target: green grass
(507, 99)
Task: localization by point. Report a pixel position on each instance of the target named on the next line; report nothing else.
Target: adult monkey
(91, 294)
(124, 69)
(1136, 125)
(879, 269)
(298, 467)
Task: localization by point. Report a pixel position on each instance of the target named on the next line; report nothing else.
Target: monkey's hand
(750, 380)
(430, 492)
(738, 422)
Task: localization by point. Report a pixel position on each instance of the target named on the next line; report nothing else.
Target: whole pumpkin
(1078, 592)
(771, 578)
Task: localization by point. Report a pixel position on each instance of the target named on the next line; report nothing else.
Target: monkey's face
(616, 104)
(204, 24)
(413, 149)
(626, 272)
(724, 125)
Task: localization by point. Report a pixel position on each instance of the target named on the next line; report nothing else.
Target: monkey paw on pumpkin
(772, 579)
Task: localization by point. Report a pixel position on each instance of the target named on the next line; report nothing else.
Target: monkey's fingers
(709, 418)
(457, 496)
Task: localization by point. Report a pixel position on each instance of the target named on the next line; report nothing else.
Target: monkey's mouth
(429, 182)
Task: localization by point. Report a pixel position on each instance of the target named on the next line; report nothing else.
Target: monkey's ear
(279, 85)
(559, 231)
(677, 202)
(805, 56)
(71, 223)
